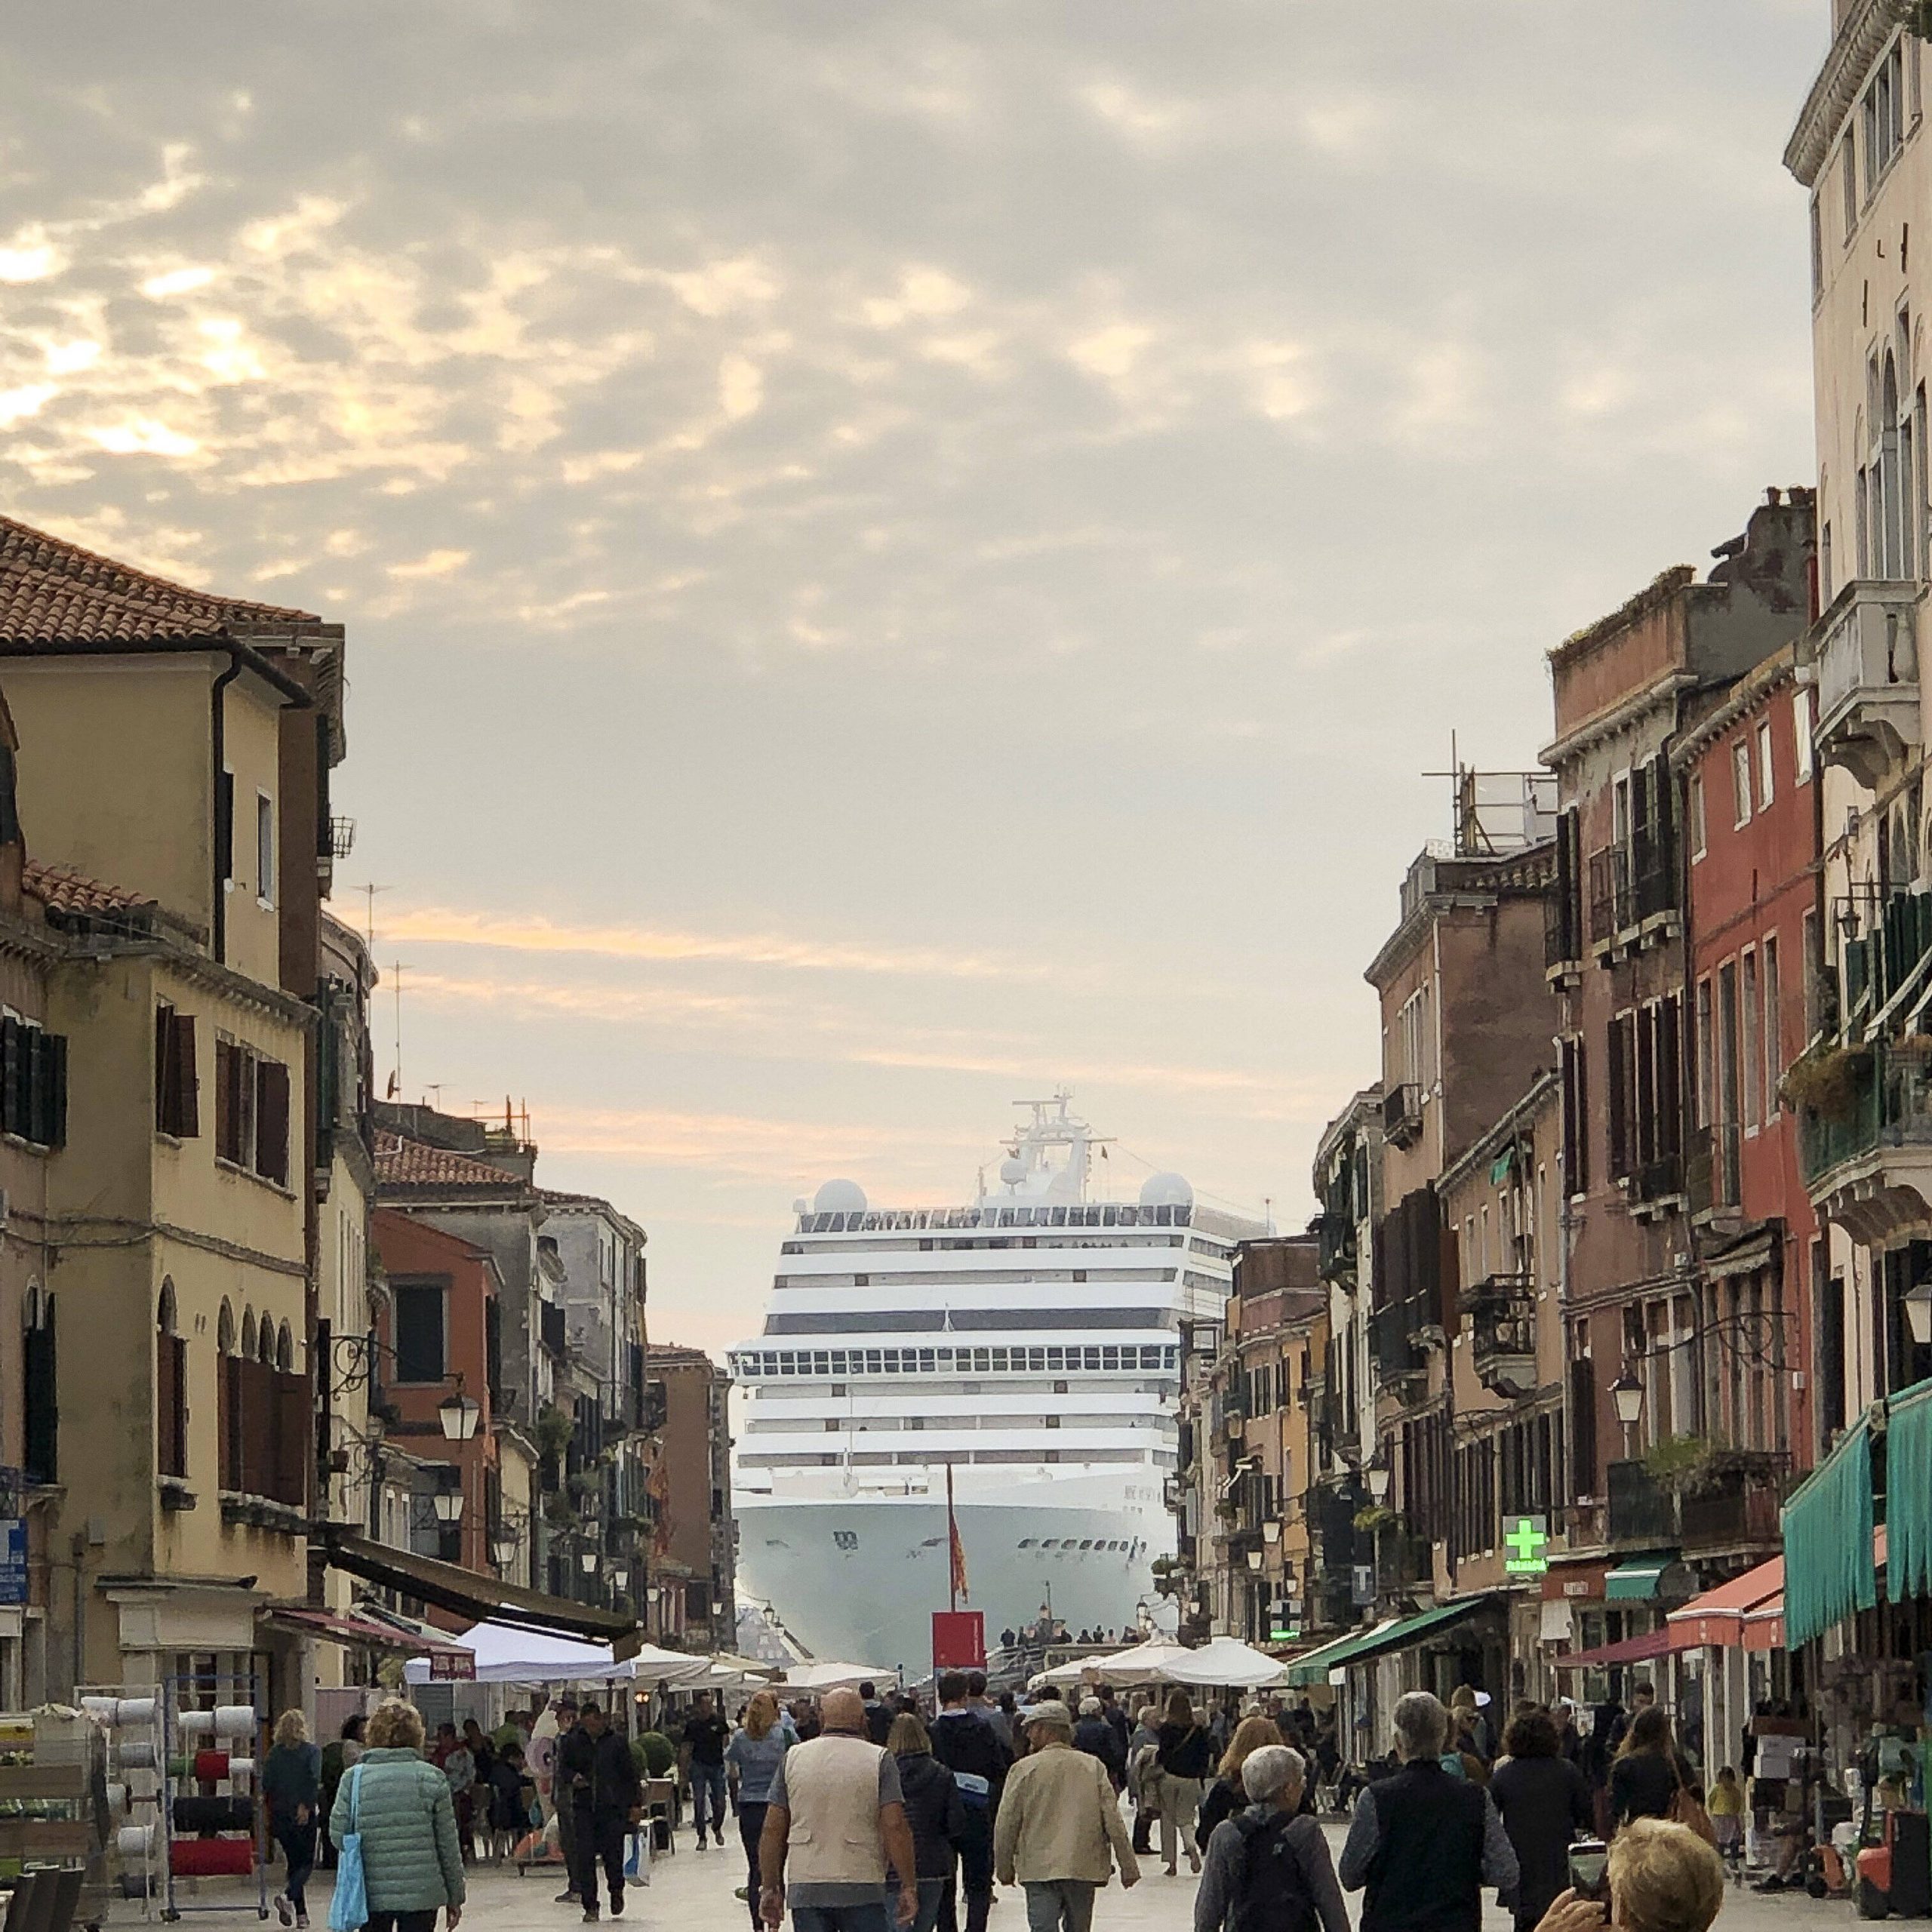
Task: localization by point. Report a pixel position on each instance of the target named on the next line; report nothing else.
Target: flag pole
(952, 1545)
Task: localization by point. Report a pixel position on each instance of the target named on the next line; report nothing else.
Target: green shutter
(1829, 1568)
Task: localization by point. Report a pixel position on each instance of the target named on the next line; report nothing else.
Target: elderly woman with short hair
(1663, 1877)
(412, 1865)
(1269, 1847)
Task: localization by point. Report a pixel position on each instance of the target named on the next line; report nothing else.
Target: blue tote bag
(348, 1907)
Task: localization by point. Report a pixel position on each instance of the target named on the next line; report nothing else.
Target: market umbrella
(1224, 1664)
(816, 1677)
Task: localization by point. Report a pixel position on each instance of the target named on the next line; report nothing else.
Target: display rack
(210, 1796)
(54, 1807)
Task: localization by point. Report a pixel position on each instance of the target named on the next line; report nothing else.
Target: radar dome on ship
(1013, 1170)
(1166, 1191)
(840, 1197)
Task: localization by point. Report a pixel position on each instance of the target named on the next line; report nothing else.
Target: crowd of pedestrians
(862, 1812)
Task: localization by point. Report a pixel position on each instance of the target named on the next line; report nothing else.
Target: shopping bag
(348, 1907)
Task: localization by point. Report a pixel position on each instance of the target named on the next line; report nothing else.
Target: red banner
(959, 1640)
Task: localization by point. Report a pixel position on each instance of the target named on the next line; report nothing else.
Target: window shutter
(272, 1120)
(1670, 1077)
(1618, 1100)
(12, 1121)
(166, 1104)
(1583, 1425)
(51, 1090)
(171, 1405)
(1644, 1109)
(294, 1415)
(187, 1083)
(42, 1408)
(1566, 886)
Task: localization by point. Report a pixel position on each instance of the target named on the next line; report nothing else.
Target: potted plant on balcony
(1826, 1081)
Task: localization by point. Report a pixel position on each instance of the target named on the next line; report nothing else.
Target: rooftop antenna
(368, 892)
(395, 1078)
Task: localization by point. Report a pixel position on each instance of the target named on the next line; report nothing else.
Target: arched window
(40, 1406)
(248, 1333)
(224, 1331)
(170, 1389)
(265, 1344)
(1888, 507)
(284, 1350)
(236, 1350)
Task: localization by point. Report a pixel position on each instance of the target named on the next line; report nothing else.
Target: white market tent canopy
(816, 1677)
(506, 1654)
(1225, 1664)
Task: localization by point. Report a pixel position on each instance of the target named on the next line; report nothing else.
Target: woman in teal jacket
(412, 1865)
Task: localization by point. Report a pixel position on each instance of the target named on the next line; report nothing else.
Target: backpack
(1270, 1894)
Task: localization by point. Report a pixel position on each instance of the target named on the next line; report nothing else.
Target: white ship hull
(857, 1578)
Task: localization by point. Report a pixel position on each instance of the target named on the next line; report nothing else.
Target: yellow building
(172, 746)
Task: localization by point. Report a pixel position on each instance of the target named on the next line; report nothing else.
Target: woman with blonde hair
(1227, 1795)
(1663, 1877)
(751, 1759)
(412, 1865)
(1185, 1754)
(292, 1790)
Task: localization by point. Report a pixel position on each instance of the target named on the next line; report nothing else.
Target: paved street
(689, 1893)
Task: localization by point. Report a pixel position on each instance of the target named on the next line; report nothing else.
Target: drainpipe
(223, 861)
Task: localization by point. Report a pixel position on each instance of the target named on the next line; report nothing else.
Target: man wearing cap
(836, 1818)
(1059, 1832)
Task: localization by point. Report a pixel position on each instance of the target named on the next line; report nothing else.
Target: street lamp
(460, 1414)
(1254, 1560)
(587, 1561)
(620, 1577)
(1378, 1473)
(1918, 1313)
(503, 1549)
(1271, 1533)
(1626, 1395)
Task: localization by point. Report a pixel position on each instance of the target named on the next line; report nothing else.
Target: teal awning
(1385, 1638)
(1635, 1582)
(1829, 1570)
(1908, 1494)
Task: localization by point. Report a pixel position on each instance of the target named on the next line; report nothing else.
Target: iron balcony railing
(1738, 1503)
(1401, 1112)
(1502, 1314)
(1641, 1508)
(1613, 902)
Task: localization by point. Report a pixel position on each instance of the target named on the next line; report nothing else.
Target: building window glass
(1695, 810)
(1767, 766)
(171, 1401)
(1740, 781)
(251, 1120)
(1753, 1067)
(264, 848)
(1773, 1029)
(40, 1390)
(419, 1351)
(1801, 733)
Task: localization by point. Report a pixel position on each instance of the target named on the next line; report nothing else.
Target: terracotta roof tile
(54, 592)
(402, 1163)
(62, 890)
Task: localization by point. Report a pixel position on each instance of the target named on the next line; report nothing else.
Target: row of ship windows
(1029, 1420)
(901, 1220)
(1132, 1548)
(1025, 1243)
(922, 1459)
(952, 1361)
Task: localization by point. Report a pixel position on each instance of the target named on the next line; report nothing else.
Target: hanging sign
(1525, 1545)
(13, 1560)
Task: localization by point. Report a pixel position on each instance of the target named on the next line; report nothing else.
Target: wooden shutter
(294, 1413)
(165, 1103)
(1644, 1111)
(171, 1405)
(48, 1127)
(1670, 1077)
(1566, 888)
(272, 1120)
(187, 1081)
(227, 1109)
(231, 1423)
(1617, 1096)
(1583, 1425)
(42, 1405)
(258, 1429)
(13, 1117)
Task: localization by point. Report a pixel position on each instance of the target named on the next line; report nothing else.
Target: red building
(437, 1337)
(1750, 838)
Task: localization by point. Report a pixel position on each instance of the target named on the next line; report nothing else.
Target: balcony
(1502, 1313)
(1401, 1113)
(1865, 1135)
(1654, 1183)
(1712, 1173)
(1641, 1508)
(1868, 680)
(1562, 930)
(1335, 1247)
(1735, 1504)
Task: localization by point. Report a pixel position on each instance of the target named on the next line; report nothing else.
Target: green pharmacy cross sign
(1525, 1545)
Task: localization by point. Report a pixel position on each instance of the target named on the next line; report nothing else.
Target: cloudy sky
(895, 554)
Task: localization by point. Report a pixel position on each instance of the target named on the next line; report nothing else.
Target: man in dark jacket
(878, 1719)
(1115, 1716)
(976, 1755)
(1093, 1735)
(594, 1764)
(1423, 1843)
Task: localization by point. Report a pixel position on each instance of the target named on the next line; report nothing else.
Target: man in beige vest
(836, 1818)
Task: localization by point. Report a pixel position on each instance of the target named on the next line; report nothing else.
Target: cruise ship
(1030, 1343)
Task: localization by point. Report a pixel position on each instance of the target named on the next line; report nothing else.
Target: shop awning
(482, 1599)
(1396, 1636)
(1636, 1582)
(1909, 1493)
(1313, 1666)
(1632, 1650)
(1718, 1616)
(333, 1627)
(1829, 1570)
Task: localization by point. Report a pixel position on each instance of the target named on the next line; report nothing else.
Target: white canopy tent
(814, 1678)
(506, 1654)
(1142, 1664)
(1225, 1663)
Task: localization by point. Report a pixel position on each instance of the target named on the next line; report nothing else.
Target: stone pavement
(691, 1892)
